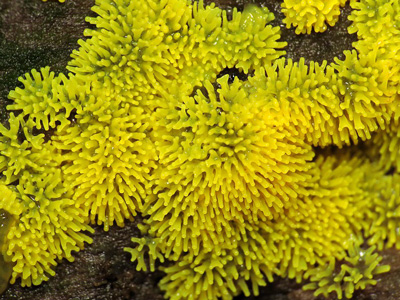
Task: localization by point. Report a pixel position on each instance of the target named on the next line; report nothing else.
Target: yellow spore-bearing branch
(308, 15)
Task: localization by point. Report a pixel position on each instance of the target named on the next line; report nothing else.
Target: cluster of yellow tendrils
(48, 225)
(224, 171)
(355, 274)
(307, 15)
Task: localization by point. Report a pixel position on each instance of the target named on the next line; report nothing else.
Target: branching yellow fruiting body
(108, 137)
(307, 15)
(361, 266)
(224, 172)
(48, 226)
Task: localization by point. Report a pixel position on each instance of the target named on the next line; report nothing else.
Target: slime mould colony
(224, 172)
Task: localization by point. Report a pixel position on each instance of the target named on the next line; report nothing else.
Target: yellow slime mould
(238, 181)
(47, 224)
(356, 273)
(224, 158)
(146, 45)
(109, 138)
(45, 100)
(308, 15)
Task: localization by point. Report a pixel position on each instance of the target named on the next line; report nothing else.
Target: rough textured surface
(102, 271)
(34, 34)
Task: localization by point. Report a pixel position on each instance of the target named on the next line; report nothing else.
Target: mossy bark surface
(34, 34)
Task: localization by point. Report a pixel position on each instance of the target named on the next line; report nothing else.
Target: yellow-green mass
(224, 158)
(148, 45)
(291, 172)
(308, 15)
(48, 225)
(108, 136)
(355, 273)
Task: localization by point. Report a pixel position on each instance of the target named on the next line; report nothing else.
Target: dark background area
(35, 34)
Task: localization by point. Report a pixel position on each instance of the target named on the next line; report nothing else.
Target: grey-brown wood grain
(5, 266)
